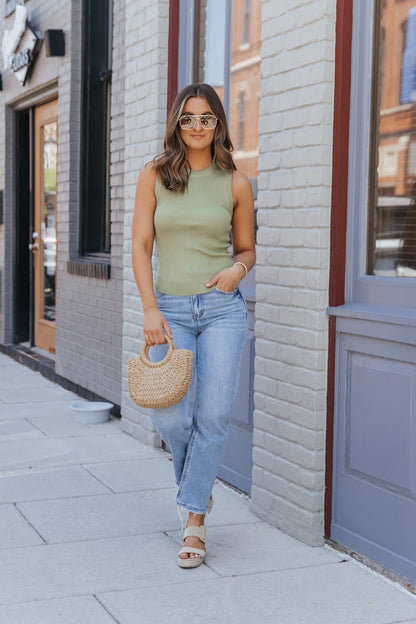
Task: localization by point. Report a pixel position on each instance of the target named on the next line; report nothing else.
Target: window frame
(95, 242)
(360, 287)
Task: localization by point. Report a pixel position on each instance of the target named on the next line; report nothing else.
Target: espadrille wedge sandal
(193, 531)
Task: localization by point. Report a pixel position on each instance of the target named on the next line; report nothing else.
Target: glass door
(44, 244)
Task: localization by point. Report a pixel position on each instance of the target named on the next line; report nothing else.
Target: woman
(188, 200)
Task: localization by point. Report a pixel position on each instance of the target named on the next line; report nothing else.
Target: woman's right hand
(154, 324)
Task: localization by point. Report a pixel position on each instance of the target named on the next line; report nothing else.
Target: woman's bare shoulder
(240, 183)
(149, 169)
(240, 178)
(148, 175)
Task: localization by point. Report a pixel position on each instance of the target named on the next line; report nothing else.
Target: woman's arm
(242, 230)
(244, 249)
(142, 248)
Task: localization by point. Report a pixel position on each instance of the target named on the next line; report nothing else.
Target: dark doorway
(23, 218)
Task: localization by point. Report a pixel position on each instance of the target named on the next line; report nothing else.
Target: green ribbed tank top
(192, 232)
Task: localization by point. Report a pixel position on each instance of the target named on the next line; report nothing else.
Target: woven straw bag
(160, 384)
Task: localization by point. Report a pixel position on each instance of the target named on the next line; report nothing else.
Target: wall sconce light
(55, 43)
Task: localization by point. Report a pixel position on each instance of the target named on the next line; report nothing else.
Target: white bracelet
(243, 265)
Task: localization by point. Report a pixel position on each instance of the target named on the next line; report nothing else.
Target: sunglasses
(188, 122)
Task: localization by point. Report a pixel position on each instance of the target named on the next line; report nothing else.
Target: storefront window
(392, 193)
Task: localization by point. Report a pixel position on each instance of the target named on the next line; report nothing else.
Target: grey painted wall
(89, 310)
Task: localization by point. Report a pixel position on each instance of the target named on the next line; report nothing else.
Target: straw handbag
(160, 384)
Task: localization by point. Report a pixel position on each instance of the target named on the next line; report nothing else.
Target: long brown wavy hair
(172, 165)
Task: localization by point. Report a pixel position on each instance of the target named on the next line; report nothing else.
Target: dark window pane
(95, 138)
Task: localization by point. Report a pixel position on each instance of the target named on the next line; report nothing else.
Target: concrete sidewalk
(89, 535)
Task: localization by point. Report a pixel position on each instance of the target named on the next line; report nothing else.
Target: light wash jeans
(212, 325)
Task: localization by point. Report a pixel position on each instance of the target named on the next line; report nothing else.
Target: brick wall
(3, 152)
(145, 116)
(6, 272)
(292, 268)
(89, 309)
(2, 228)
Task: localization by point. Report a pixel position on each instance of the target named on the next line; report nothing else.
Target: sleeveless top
(192, 232)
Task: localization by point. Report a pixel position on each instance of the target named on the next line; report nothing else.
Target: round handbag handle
(145, 352)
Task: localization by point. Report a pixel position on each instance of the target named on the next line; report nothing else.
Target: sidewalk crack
(84, 467)
(106, 610)
(32, 526)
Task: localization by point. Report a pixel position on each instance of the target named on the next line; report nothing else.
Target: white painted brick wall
(292, 268)
(145, 117)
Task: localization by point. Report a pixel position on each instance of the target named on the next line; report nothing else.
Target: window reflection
(229, 51)
(246, 23)
(213, 30)
(245, 84)
(392, 216)
(48, 221)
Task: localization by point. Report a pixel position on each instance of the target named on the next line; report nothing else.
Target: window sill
(374, 313)
(90, 266)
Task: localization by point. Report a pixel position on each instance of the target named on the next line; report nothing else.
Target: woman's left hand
(228, 279)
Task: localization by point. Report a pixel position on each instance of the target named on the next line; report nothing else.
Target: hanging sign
(19, 46)
(23, 58)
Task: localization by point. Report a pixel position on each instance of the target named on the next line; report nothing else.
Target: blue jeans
(212, 325)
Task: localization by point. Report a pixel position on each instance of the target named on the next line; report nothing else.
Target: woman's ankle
(195, 519)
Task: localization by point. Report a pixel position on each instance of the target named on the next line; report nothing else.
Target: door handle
(34, 246)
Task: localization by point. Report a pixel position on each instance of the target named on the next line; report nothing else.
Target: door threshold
(45, 354)
(36, 359)
(378, 568)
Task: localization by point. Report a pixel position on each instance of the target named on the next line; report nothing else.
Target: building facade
(64, 294)
(321, 99)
